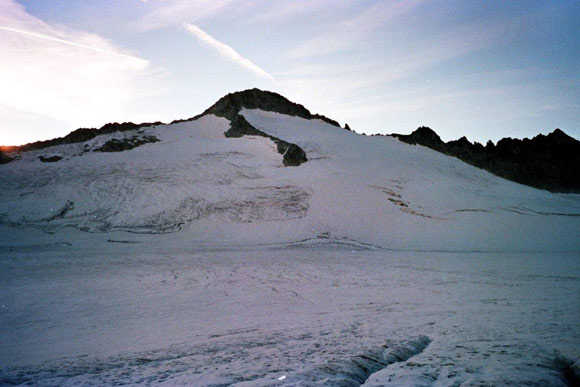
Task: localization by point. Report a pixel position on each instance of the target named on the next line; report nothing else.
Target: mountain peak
(230, 105)
(425, 131)
(559, 134)
(422, 135)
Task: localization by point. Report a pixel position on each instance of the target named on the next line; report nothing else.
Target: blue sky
(483, 69)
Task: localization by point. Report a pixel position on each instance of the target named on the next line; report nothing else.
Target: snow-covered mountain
(258, 244)
(222, 179)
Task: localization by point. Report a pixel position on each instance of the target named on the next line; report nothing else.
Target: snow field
(143, 313)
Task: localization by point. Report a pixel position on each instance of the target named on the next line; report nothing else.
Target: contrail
(226, 51)
(53, 39)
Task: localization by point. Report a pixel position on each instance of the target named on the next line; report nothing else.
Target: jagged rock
(423, 136)
(549, 162)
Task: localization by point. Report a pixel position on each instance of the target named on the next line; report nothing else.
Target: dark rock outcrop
(293, 154)
(4, 159)
(115, 145)
(423, 136)
(50, 159)
(240, 127)
(549, 162)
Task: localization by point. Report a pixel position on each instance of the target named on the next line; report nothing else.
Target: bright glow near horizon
(485, 70)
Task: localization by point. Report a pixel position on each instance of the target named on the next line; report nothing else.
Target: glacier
(198, 259)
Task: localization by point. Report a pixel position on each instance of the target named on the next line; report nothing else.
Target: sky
(480, 69)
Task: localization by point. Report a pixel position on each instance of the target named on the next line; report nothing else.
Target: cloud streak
(349, 32)
(175, 12)
(226, 51)
(70, 43)
(56, 77)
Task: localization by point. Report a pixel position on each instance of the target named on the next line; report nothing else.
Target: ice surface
(144, 313)
(201, 260)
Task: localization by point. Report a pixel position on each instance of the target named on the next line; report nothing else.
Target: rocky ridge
(76, 136)
(549, 162)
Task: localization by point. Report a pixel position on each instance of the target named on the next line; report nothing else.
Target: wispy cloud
(402, 62)
(67, 76)
(349, 32)
(175, 12)
(226, 51)
(70, 43)
(280, 11)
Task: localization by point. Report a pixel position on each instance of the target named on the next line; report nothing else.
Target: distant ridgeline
(549, 162)
(79, 135)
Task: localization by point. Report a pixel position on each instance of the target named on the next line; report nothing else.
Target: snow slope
(202, 260)
(208, 190)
